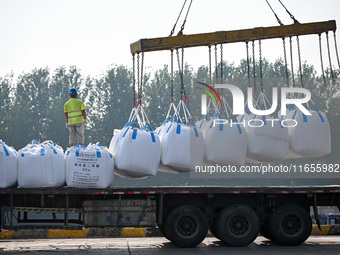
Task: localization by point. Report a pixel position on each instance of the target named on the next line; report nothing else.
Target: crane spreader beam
(244, 35)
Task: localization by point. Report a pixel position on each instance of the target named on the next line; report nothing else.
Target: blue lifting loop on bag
(169, 128)
(42, 151)
(77, 152)
(127, 129)
(5, 149)
(134, 134)
(202, 123)
(153, 137)
(238, 126)
(54, 150)
(320, 115)
(178, 130)
(98, 153)
(196, 132)
(304, 117)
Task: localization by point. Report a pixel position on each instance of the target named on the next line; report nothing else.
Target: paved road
(154, 245)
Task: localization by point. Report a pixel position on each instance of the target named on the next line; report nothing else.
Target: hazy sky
(93, 34)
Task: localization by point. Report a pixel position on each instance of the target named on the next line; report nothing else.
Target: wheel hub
(186, 226)
(238, 225)
(291, 224)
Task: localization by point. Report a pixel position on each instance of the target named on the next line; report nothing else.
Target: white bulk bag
(267, 138)
(225, 143)
(41, 165)
(116, 132)
(289, 115)
(8, 166)
(136, 150)
(89, 167)
(268, 142)
(203, 123)
(224, 138)
(311, 137)
(182, 144)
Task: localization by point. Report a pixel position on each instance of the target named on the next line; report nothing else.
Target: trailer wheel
(290, 225)
(237, 225)
(161, 229)
(186, 226)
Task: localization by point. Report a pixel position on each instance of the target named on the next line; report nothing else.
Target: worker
(75, 118)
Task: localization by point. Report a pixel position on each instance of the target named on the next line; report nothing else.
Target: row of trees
(31, 107)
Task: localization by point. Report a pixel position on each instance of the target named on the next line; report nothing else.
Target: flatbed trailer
(184, 215)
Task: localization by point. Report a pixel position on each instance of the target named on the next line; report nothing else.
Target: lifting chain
(179, 15)
(248, 64)
(322, 69)
(138, 82)
(134, 80)
(300, 64)
(330, 61)
(336, 49)
(216, 68)
(172, 76)
(291, 15)
(254, 70)
(181, 74)
(261, 73)
(291, 59)
(221, 74)
(210, 80)
(185, 19)
(285, 57)
(277, 18)
(140, 64)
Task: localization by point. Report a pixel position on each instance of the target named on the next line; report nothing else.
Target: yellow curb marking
(133, 232)
(317, 232)
(59, 233)
(6, 234)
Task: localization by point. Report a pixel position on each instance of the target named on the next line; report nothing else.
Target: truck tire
(186, 226)
(237, 225)
(161, 229)
(290, 225)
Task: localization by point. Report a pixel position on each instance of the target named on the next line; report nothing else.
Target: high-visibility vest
(73, 108)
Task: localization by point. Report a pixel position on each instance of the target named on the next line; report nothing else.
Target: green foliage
(108, 101)
(32, 106)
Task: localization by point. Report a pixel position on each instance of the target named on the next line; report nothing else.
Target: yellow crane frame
(220, 37)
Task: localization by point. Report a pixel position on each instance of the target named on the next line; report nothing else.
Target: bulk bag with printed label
(89, 167)
(136, 150)
(8, 166)
(311, 137)
(182, 142)
(41, 165)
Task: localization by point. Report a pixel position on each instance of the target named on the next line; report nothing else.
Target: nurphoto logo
(238, 99)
